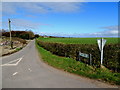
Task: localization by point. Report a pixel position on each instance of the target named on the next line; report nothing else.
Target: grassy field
(79, 68)
(79, 40)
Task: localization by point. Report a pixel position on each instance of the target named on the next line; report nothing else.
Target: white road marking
(13, 61)
(29, 69)
(15, 73)
(15, 64)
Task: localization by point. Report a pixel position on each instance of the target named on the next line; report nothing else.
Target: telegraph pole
(11, 44)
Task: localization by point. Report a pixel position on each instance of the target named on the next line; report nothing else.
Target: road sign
(84, 55)
(101, 44)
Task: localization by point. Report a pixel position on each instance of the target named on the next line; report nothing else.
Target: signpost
(101, 44)
(86, 56)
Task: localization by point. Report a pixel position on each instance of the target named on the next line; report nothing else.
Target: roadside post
(101, 43)
(90, 59)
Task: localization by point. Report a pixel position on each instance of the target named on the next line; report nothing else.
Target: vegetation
(111, 53)
(18, 40)
(78, 40)
(19, 34)
(17, 49)
(14, 39)
(73, 66)
(37, 36)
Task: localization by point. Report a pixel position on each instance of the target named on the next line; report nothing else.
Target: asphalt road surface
(25, 69)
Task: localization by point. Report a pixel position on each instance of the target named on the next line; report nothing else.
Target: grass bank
(79, 68)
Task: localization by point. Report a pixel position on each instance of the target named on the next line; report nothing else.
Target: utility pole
(11, 44)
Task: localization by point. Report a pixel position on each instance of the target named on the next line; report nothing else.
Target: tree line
(19, 34)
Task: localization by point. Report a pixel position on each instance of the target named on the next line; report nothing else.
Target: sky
(68, 19)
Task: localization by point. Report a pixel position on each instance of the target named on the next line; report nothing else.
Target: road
(25, 69)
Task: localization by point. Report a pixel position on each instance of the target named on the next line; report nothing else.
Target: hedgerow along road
(25, 69)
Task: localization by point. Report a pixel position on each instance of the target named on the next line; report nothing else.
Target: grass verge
(17, 49)
(79, 68)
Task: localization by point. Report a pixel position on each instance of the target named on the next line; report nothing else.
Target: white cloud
(110, 28)
(33, 10)
(43, 1)
(62, 7)
(34, 7)
(8, 8)
(102, 0)
(112, 31)
(60, 1)
(22, 24)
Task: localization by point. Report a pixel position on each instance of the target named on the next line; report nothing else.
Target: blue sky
(78, 19)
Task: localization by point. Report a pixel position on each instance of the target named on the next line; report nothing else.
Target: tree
(31, 34)
(36, 35)
(20, 34)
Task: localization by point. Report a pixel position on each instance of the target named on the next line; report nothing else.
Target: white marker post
(101, 44)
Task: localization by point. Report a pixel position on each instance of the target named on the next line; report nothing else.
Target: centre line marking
(29, 69)
(15, 73)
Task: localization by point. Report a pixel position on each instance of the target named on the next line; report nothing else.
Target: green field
(79, 40)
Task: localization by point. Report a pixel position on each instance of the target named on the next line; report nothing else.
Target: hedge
(111, 53)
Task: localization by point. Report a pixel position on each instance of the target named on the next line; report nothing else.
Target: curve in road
(25, 69)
